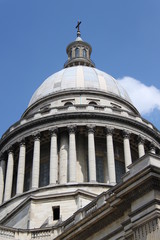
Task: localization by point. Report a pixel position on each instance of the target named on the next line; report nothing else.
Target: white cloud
(145, 98)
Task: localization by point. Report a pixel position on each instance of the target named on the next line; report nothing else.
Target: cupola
(79, 52)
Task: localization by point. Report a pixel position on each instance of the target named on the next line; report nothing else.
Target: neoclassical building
(81, 163)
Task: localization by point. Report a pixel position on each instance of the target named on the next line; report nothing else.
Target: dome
(79, 77)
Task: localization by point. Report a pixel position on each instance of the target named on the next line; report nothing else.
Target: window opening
(84, 53)
(68, 104)
(77, 52)
(56, 212)
(93, 103)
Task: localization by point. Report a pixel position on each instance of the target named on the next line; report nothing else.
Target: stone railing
(41, 234)
(6, 233)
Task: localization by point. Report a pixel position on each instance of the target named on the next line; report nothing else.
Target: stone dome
(79, 77)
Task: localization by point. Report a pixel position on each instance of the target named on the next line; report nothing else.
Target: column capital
(152, 146)
(53, 131)
(141, 139)
(109, 130)
(91, 128)
(126, 134)
(10, 150)
(72, 128)
(36, 136)
(22, 142)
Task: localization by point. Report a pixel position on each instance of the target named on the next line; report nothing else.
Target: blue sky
(124, 34)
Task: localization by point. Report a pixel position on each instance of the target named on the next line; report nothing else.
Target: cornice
(75, 116)
(90, 91)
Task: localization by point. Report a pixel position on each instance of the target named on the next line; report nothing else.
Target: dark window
(120, 170)
(93, 103)
(77, 52)
(68, 104)
(84, 53)
(44, 165)
(71, 54)
(56, 212)
(99, 169)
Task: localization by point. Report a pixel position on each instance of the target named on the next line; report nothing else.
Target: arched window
(77, 52)
(68, 104)
(93, 103)
(84, 53)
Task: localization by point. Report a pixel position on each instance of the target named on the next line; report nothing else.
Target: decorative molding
(152, 146)
(109, 130)
(143, 231)
(37, 136)
(10, 150)
(53, 131)
(141, 139)
(22, 142)
(91, 128)
(98, 116)
(126, 134)
(72, 128)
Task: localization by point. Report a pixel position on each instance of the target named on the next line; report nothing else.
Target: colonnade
(66, 171)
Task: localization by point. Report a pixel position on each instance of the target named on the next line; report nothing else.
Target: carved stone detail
(91, 128)
(146, 229)
(126, 134)
(36, 136)
(53, 131)
(152, 147)
(109, 130)
(141, 139)
(22, 142)
(72, 128)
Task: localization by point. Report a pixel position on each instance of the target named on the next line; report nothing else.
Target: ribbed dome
(79, 77)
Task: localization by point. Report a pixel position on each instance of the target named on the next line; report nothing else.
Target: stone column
(141, 151)
(63, 162)
(2, 172)
(21, 168)
(110, 156)
(91, 154)
(152, 148)
(53, 176)
(127, 149)
(72, 154)
(9, 176)
(36, 162)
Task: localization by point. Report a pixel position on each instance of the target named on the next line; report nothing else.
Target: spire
(79, 52)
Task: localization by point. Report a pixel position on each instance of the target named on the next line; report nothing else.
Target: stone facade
(81, 163)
